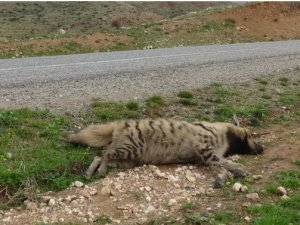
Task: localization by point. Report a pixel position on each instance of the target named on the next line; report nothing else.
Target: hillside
(50, 28)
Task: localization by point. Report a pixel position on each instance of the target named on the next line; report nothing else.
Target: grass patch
(103, 219)
(282, 213)
(196, 219)
(33, 152)
(187, 102)
(154, 105)
(109, 111)
(187, 206)
(297, 162)
(289, 178)
(185, 94)
(261, 81)
(225, 218)
(289, 98)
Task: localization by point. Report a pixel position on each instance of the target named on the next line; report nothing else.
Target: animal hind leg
(93, 167)
(119, 154)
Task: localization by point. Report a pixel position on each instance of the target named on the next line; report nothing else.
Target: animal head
(241, 141)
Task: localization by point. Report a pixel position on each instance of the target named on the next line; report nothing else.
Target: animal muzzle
(258, 148)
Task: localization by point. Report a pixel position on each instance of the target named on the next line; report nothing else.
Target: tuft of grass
(109, 111)
(154, 105)
(261, 81)
(187, 206)
(297, 162)
(187, 102)
(289, 98)
(196, 219)
(103, 219)
(225, 218)
(185, 94)
(134, 106)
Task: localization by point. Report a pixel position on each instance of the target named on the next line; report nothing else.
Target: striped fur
(163, 141)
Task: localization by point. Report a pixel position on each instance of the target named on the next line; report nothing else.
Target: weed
(134, 106)
(185, 94)
(261, 81)
(297, 162)
(154, 105)
(266, 96)
(187, 206)
(188, 102)
(289, 98)
(224, 218)
(196, 219)
(103, 219)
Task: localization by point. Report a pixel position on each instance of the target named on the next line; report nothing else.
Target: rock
(61, 31)
(85, 193)
(148, 188)
(235, 158)
(70, 198)
(148, 198)
(78, 184)
(244, 188)
(246, 204)
(45, 198)
(150, 209)
(93, 192)
(121, 175)
(106, 190)
(252, 196)
(172, 178)
(31, 205)
(257, 177)
(281, 191)
(189, 176)
(51, 202)
(210, 191)
(237, 187)
(285, 197)
(9, 155)
(247, 218)
(172, 202)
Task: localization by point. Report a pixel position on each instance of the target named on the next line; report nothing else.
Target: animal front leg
(93, 167)
(235, 168)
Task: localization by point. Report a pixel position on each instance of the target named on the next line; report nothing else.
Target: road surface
(68, 83)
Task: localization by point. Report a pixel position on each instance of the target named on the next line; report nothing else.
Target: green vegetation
(186, 101)
(185, 94)
(282, 213)
(103, 220)
(34, 154)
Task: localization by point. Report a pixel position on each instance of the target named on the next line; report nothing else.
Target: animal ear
(236, 121)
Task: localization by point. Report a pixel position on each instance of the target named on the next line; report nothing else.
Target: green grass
(282, 213)
(109, 111)
(187, 206)
(289, 178)
(225, 217)
(154, 105)
(103, 219)
(297, 162)
(187, 102)
(38, 153)
(185, 94)
(261, 80)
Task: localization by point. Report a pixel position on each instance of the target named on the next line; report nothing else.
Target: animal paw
(218, 183)
(238, 173)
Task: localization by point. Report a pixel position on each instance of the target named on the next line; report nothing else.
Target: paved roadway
(68, 83)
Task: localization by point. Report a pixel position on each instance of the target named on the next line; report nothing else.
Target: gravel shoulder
(73, 95)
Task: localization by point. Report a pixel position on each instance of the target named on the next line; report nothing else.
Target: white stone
(189, 176)
(78, 184)
(148, 198)
(244, 188)
(247, 218)
(93, 192)
(257, 177)
(31, 205)
(172, 202)
(148, 188)
(281, 191)
(51, 202)
(150, 209)
(285, 197)
(252, 196)
(172, 178)
(237, 187)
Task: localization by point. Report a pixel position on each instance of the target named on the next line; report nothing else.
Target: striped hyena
(162, 141)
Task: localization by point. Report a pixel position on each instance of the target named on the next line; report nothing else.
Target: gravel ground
(73, 95)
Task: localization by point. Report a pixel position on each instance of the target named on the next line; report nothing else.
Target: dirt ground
(139, 195)
(267, 21)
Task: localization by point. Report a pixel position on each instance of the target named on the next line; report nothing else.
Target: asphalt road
(68, 83)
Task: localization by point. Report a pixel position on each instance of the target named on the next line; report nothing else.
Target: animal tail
(94, 135)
